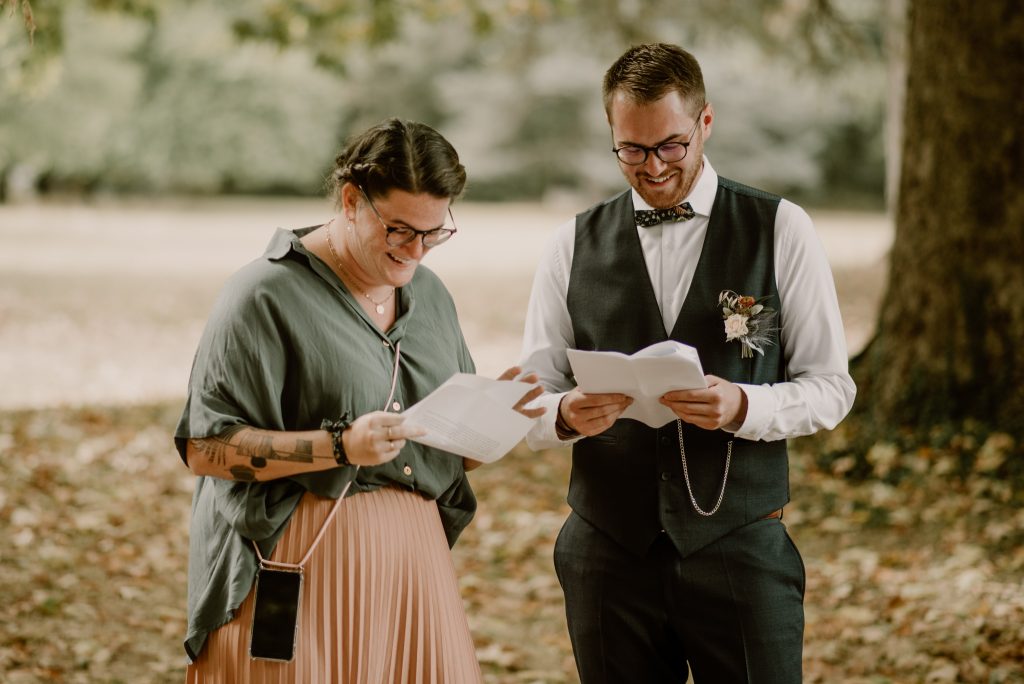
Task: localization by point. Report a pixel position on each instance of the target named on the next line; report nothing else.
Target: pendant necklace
(377, 306)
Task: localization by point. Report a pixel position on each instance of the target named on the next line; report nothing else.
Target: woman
(309, 356)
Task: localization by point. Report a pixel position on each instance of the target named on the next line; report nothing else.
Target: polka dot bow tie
(652, 217)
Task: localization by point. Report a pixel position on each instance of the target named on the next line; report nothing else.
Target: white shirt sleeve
(548, 333)
(818, 391)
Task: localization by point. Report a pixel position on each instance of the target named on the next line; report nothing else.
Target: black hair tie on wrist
(336, 427)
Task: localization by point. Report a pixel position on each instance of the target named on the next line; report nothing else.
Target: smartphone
(275, 620)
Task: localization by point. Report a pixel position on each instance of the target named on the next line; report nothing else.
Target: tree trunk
(896, 55)
(948, 347)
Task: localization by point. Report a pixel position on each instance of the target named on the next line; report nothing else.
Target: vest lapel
(614, 285)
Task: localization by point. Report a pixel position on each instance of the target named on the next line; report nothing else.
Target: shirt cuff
(760, 407)
(543, 435)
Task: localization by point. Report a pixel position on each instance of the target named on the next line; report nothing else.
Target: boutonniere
(747, 320)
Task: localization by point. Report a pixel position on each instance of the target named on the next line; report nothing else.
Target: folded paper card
(472, 416)
(644, 375)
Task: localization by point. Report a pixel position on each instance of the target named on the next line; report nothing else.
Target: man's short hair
(646, 73)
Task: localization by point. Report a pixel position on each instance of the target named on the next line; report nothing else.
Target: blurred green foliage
(197, 96)
(132, 105)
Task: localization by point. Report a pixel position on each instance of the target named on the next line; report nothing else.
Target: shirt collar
(701, 198)
(284, 242)
(287, 242)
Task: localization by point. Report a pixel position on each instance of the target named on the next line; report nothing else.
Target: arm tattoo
(232, 431)
(255, 445)
(243, 474)
(260, 449)
(214, 449)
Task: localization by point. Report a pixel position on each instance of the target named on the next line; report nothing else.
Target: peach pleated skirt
(380, 603)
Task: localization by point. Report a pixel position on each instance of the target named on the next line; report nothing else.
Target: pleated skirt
(380, 602)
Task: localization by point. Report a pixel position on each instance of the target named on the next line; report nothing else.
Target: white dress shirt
(819, 390)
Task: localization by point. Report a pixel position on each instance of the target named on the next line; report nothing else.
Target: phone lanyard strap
(297, 567)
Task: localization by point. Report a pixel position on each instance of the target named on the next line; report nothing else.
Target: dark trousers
(731, 612)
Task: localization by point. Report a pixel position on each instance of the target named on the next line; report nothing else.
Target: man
(674, 557)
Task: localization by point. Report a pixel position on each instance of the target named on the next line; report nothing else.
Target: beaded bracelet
(336, 428)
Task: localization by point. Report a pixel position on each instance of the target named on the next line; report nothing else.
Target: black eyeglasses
(398, 236)
(669, 152)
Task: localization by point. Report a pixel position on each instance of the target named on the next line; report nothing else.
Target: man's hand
(592, 414)
(722, 404)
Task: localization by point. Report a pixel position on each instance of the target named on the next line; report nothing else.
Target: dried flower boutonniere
(747, 320)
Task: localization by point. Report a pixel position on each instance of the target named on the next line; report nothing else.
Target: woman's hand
(534, 392)
(377, 437)
(520, 406)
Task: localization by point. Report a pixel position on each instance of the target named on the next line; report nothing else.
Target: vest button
(665, 477)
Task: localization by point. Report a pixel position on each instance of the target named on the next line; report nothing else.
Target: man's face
(661, 184)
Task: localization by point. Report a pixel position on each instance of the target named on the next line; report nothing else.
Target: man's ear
(707, 120)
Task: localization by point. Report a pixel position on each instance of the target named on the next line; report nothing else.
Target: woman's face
(380, 262)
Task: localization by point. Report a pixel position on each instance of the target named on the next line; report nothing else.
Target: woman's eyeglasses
(398, 236)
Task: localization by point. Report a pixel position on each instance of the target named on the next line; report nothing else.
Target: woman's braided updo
(398, 155)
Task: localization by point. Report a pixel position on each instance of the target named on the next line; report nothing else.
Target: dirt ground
(101, 307)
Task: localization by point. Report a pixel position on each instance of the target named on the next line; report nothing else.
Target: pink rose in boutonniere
(748, 321)
(735, 326)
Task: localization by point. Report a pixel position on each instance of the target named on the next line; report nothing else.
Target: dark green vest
(628, 481)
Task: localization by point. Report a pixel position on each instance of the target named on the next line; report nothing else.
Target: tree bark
(896, 55)
(948, 346)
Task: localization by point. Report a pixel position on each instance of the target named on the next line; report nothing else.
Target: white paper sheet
(645, 376)
(472, 416)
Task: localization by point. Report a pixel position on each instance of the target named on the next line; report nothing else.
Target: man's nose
(653, 165)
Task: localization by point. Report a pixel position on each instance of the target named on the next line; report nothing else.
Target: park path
(103, 302)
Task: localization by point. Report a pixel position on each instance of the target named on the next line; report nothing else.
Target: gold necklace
(377, 306)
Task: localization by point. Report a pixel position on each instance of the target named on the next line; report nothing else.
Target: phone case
(275, 621)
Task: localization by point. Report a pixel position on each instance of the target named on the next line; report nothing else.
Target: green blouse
(285, 347)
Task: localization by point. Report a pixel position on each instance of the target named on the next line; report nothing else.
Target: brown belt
(773, 514)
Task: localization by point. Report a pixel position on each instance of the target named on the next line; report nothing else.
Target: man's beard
(657, 199)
